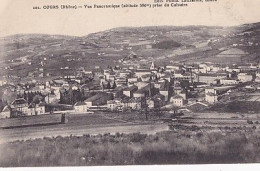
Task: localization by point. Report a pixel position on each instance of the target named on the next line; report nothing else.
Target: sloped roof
(211, 94)
(6, 109)
(80, 104)
(132, 88)
(135, 100)
(41, 104)
(164, 86)
(96, 97)
(19, 101)
(32, 105)
(158, 96)
(177, 97)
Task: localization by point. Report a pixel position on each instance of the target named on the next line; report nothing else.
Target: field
(80, 124)
(104, 139)
(182, 146)
(23, 53)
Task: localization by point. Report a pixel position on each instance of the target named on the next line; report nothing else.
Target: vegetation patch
(170, 147)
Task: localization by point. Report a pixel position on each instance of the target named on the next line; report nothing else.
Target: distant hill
(24, 53)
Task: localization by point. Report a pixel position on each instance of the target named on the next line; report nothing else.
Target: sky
(18, 17)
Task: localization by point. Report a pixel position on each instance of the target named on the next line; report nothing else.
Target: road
(78, 125)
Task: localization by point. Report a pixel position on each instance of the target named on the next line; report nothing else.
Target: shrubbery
(237, 106)
(182, 147)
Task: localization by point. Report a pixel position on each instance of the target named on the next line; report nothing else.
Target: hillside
(22, 54)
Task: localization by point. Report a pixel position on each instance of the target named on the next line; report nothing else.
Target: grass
(181, 147)
(237, 106)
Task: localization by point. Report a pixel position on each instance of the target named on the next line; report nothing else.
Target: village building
(152, 67)
(257, 74)
(6, 112)
(141, 93)
(130, 91)
(177, 90)
(141, 72)
(210, 78)
(36, 109)
(97, 100)
(136, 103)
(52, 98)
(211, 98)
(121, 81)
(114, 105)
(244, 77)
(177, 100)
(118, 92)
(232, 69)
(210, 90)
(228, 81)
(156, 101)
(164, 89)
(183, 94)
(132, 80)
(174, 67)
(80, 107)
(20, 105)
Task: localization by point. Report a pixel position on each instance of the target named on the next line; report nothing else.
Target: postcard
(129, 83)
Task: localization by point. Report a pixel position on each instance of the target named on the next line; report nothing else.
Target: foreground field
(80, 124)
(100, 139)
(171, 147)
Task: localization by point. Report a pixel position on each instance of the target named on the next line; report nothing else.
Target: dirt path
(81, 130)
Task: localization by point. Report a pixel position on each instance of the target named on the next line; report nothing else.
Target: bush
(250, 122)
(182, 147)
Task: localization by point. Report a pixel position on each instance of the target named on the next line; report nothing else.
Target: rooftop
(132, 88)
(80, 104)
(96, 97)
(19, 101)
(177, 97)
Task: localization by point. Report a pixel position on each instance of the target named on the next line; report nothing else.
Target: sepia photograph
(129, 83)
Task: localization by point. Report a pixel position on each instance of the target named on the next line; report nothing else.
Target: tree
(37, 99)
(233, 74)
(108, 85)
(114, 85)
(185, 84)
(159, 112)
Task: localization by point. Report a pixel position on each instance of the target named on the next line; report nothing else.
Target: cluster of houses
(156, 87)
(20, 107)
(122, 88)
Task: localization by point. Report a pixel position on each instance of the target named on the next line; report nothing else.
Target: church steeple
(152, 66)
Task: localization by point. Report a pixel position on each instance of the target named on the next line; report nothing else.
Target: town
(179, 87)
